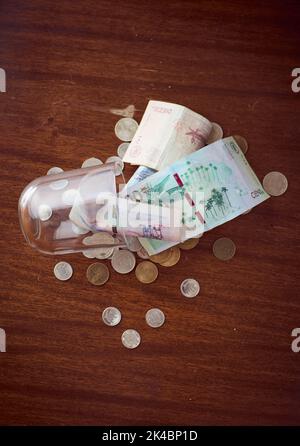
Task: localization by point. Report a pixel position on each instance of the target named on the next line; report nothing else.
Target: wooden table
(222, 358)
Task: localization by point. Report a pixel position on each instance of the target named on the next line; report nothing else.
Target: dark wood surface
(222, 358)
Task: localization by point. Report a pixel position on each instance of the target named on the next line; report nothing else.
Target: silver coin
(123, 261)
(125, 129)
(111, 316)
(45, 212)
(133, 243)
(119, 165)
(104, 253)
(131, 338)
(69, 196)
(63, 271)
(104, 238)
(91, 162)
(88, 240)
(190, 288)
(89, 253)
(155, 318)
(275, 183)
(78, 230)
(122, 149)
(215, 134)
(54, 170)
(59, 184)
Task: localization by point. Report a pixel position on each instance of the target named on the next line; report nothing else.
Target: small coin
(142, 253)
(215, 134)
(102, 238)
(125, 129)
(97, 274)
(45, 212)
(275, 183)
(131, 338)
(189, 244)
(123, 261)
(133, 243)
(91, 162)
(174, 257)
(224, 248)
(59, 184)
(122, 149)
(88, 240)
(103, 253)
(155, 318)
(89, 253)
(69, 196)
(190, 288)
(119, 165)
(111, 316)
(161, 257)
(78, 230)
(54, 170)
(146, 272)
(242, 143)
(63, 271)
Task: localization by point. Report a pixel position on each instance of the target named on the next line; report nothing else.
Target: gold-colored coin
(173, 258)
(189, 244)
(242, 143)
(97, 274)
(224, 248)
(161, 257)
(146, 272)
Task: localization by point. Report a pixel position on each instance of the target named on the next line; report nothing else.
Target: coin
(78, 230)
(111, 316)
(63, 271)
(59, 184)
(146, 272)
(161, 257)
(142, 253)
(119, 165)
(45, 212)
(189, 244)
(131, 338)
(190, 288)
(174, 257)
(89, 253)
(125, 129)
(88, 240)
(242, 143)
(97, 274)
(123, 261)
(69, 196)
(91, 162)
(155, 318)
(54, 170)
(224, 248)
(215, 134)
(104, 253)
(275, 183)
(102, 238)
(133, 243)
(122, 149)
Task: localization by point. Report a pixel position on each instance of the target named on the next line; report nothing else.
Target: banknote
(220, 172)
(166, 133)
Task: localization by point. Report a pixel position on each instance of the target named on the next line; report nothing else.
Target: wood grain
(223, 358)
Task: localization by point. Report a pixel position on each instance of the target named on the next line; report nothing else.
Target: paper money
(167, 132)
(221, 172)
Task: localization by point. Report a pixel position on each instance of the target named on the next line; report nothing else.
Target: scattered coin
(102, 238)
(123, 261)
(125, 129)
(89, 253)
(133, 243)
(63, 271)
(59, 184)
(146, 272)
(78, 230)
(142, 253)
(174, 257)
(54, 170)
(122, 149)
(45, 212)
(190, 288)
(68, 197)
(97, 274)
(131, 338)
(215, 134)
(104, 253)
(155, 318)
(224, 248)
(161, 257)
(91, 162)
(275, 183)
(111, 316)
(242, 143)
(88, 240)
(189, 244)
(119, 165)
